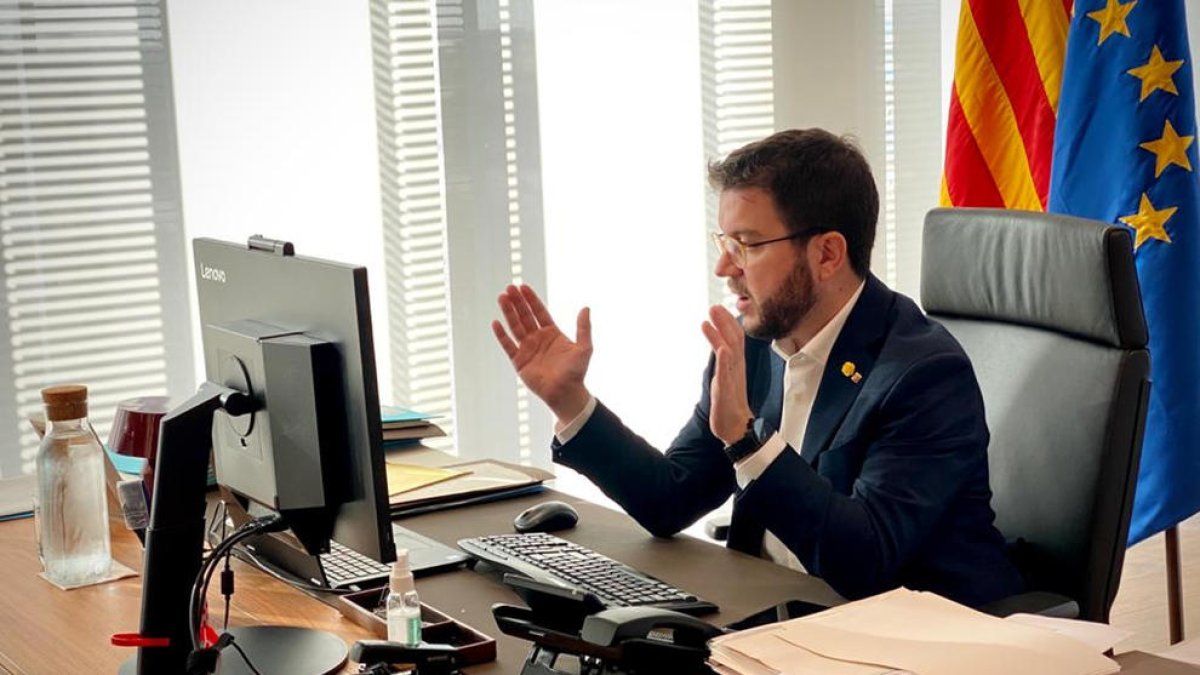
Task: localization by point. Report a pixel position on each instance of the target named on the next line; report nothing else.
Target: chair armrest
(717, 527)
(1034, 602)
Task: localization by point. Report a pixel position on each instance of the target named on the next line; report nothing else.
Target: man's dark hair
(816, 179)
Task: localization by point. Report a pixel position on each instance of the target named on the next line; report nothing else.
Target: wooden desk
(44, 630)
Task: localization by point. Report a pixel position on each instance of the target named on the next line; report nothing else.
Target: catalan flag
(1090, 111)
(1007, 77)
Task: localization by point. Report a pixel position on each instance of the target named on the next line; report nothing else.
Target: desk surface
(35, 616)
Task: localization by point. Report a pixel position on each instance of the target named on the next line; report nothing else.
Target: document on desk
(905, 631)
(1187, 651)
(1101, 636)
(768, 654)
(403, 478)
(476, 479)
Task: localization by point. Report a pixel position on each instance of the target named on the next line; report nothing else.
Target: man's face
(774, 287)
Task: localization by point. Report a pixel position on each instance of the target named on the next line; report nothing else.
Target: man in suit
(849, 426)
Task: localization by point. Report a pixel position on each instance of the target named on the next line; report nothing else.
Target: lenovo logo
(212, 273)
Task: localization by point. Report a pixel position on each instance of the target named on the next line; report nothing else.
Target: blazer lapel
(850, 362)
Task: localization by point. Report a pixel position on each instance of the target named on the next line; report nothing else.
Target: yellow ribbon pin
(851, 371)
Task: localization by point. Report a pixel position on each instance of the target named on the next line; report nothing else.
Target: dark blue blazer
(890, 487)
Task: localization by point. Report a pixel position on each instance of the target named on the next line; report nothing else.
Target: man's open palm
(546, 360)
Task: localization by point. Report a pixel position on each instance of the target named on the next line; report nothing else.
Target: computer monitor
(290, 412)
(295, 333)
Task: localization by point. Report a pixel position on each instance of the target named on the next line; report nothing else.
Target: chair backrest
(1049, 310)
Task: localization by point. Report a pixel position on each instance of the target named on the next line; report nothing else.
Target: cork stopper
(65, 402)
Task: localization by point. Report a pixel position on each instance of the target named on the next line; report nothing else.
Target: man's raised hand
(546, 360)
(729, 410)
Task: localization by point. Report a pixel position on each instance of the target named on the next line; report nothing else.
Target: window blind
(456, 100)
(94, 265)
(737, 83)
(912, 136)
(404, 46)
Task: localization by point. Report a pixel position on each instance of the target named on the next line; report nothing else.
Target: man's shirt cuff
(565, 432)
(753, 466)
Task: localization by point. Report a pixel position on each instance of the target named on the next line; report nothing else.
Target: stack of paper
(402, 426)
(904, 631)
(472, 483)
(1187, 651)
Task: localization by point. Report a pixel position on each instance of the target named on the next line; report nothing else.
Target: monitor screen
(295, 333)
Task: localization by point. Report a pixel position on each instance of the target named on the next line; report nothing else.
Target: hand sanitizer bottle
(403, 605)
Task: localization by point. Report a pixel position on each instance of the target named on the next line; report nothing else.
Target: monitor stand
(174, 544)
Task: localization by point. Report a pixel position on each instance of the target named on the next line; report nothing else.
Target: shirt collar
(821, 344)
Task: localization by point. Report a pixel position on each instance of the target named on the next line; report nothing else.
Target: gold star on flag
(1112, 19)
(1157, 74)
(1170, 149)
(1148, 222)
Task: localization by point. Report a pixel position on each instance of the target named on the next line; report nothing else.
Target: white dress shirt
(802, 378)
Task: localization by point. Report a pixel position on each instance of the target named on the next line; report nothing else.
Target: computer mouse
(546, 517)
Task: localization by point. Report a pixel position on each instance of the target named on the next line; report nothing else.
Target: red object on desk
(134, 431)
(208, 637)
(138, 640)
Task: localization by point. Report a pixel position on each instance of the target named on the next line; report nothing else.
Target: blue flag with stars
(1124, 152)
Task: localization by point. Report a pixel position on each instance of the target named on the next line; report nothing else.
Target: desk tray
(473, 646)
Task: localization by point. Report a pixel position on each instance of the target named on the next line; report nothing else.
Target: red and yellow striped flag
(1007, 78)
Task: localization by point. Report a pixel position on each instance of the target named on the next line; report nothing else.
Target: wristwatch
(747, 445)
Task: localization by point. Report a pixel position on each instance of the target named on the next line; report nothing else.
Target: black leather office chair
(1049, 310)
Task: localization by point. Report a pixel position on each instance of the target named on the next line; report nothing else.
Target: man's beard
(779, 315)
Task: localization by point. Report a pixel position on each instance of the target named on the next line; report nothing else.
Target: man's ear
(828, 253)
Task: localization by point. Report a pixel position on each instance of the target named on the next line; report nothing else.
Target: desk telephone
(563, 621)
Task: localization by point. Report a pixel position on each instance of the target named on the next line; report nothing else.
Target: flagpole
(1174, 586)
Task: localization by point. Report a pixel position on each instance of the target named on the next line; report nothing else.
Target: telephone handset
(612, 627)
(629, 640)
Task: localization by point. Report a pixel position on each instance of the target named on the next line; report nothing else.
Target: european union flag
(1124, 152)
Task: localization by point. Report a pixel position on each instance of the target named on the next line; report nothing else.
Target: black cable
(200, 587)
(226, 590)
(201, 661)
(204, 658)
(245, 658)
(222, 551)
(226, 584)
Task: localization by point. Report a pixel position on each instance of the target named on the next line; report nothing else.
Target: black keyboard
(345, 567)
(550, 559)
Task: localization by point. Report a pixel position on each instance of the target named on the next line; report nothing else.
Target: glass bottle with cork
(70, 507)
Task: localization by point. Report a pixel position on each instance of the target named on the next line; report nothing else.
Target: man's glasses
(738, 250)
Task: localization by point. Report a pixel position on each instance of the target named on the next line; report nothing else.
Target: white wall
(949, 48)
(276, 123)
(623, 173)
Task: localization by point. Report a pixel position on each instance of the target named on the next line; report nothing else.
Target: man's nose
(725, 267)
